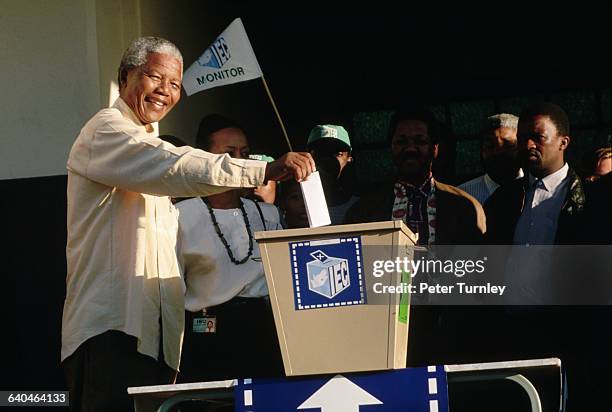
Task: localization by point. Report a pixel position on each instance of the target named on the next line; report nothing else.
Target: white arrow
(339, 395)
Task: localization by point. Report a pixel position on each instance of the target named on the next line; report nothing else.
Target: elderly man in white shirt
(499, 155)
(123, 314)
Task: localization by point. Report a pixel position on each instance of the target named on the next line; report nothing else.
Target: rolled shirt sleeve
(118, 153)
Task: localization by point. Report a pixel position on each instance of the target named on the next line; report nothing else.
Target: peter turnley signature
(437, 289)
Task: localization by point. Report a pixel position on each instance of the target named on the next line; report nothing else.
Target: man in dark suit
(549, 206)
(439, 213)
(545, 206)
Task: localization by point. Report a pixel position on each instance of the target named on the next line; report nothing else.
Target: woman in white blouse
(229, 328)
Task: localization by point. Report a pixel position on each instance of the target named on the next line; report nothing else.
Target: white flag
(230, 59)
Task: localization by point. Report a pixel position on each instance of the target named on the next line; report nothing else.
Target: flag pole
(277, 113)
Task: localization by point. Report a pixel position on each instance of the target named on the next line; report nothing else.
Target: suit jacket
(460, 219)
(578, 273)
(504, 208)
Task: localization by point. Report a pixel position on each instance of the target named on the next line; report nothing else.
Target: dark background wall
(327, 67)
(33, 281)
(355, 66)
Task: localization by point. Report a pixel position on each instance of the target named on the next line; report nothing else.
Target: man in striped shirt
(499, 152)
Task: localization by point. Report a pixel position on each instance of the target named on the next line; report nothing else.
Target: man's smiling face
(412, 149)
(153, 89)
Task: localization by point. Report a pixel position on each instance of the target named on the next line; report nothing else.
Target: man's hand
(293, 164)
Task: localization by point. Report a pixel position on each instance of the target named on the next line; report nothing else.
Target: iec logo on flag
(216, 55)
(229, 59)
(327, 273)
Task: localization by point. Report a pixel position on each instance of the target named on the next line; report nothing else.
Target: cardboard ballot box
(327, 315)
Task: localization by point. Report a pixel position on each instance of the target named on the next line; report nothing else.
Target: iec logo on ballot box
(327, 273)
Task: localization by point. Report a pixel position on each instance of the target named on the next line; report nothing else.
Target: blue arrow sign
(339, 394)
(413, 389)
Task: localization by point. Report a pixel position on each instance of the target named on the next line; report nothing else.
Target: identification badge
(207, 324)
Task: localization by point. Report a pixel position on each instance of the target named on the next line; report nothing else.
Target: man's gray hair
(502, 120)
(136, 54)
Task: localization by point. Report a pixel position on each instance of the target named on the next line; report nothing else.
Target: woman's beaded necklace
(224, 241)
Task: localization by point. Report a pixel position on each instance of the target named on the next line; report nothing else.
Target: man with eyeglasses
(330, 146)
(438, 213)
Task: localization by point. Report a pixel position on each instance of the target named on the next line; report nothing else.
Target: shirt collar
(553, 180)
(128, 113)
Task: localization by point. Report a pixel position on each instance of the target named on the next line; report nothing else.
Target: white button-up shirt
(482, 187)
(544, 199)
(123, 271)
(211, 277)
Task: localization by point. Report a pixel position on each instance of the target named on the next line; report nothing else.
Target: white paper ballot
(314, 199)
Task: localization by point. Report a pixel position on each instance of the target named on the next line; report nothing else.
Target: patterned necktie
(412, 206)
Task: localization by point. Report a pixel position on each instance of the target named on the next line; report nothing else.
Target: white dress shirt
(211, 277)
(544, 199)
(123, 271)
(482, 187)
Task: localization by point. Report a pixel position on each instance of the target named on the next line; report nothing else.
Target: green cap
(329, 131)
(261, 157)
